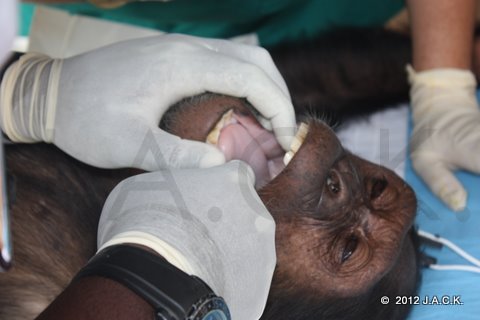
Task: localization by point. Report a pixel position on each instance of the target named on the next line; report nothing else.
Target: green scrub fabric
(274, 21)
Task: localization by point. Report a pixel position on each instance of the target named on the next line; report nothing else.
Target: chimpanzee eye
(333, 184)
(349, 248)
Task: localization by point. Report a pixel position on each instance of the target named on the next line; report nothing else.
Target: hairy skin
(55, 204)
(346, 73)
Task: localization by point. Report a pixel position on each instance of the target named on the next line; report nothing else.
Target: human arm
(103, 107)
(445, 110)
(442, 33)
(97, 298)
(209, 223)
(130, 281)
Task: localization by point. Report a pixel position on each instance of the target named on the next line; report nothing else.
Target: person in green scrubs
(274, 22)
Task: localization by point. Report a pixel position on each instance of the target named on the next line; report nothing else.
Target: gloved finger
(441, 180)
(251, 82)
(470, 161)
(466, 143)
(254, 77)
(261, 57)
(278, 109)
(256, 55)
(160, 149)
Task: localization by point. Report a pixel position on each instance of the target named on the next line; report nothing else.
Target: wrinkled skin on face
(341, 221)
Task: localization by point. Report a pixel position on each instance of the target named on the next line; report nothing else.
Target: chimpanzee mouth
(232, 125)
(241, 137)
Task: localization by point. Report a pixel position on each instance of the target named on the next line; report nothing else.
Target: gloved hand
(207, 222)
(104, 107)
(446, 132)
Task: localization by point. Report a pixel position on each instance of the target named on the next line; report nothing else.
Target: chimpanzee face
(341, 221)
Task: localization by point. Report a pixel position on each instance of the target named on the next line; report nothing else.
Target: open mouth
(241, 137)
(232, 126)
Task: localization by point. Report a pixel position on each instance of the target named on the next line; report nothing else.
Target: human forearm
(129, 281)
(97, 298)
(444, 106)
(442, 33)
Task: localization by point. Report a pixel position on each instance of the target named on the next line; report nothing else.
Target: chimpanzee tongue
(245, 139)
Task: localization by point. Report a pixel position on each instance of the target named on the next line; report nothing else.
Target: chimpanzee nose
(381, 194)
(378, 186)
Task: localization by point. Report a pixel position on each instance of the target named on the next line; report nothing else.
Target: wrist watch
(173, 294)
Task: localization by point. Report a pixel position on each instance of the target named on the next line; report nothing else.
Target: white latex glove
(207, 222)
(446, 132)
(104, 107)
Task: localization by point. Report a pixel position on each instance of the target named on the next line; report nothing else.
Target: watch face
(212, 308)
(215, 315)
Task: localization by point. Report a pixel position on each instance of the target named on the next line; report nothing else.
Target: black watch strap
(173, 293)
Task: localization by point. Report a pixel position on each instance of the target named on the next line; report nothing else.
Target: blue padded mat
(463, 229)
